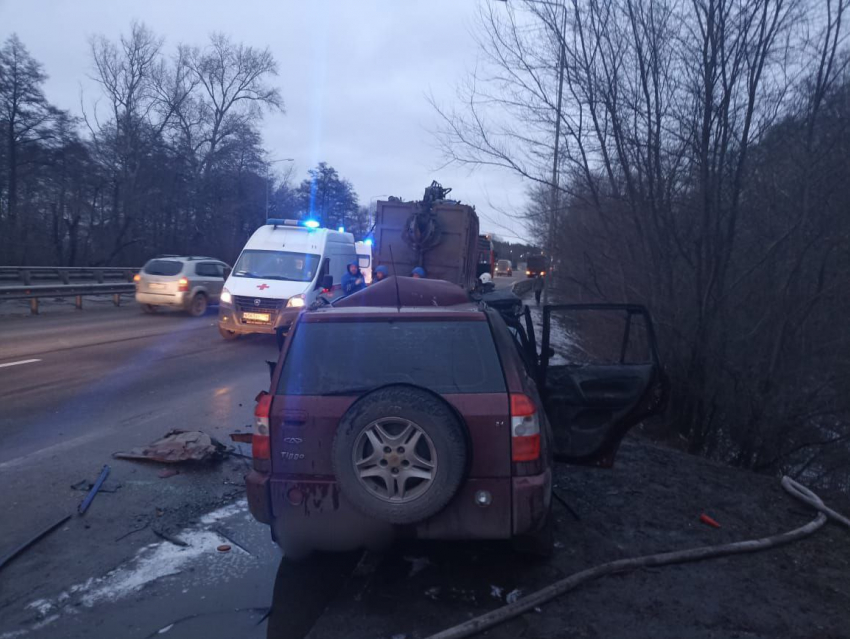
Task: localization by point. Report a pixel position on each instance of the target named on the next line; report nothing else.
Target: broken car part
(17, 551)
(84, 505)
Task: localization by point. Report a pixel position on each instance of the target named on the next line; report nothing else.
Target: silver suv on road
(189, 282)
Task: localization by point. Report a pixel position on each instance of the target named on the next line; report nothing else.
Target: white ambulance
(284, 266)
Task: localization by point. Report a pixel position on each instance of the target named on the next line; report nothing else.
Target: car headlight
(295, 302)
(226, 297)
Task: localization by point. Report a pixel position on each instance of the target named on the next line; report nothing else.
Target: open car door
(599, 376)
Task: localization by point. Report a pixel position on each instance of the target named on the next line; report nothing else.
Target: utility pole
(553, 212)
(553, 201)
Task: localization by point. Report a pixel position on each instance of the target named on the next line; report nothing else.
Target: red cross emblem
(262, 286)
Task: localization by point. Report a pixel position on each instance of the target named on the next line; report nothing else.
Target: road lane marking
(23, 361)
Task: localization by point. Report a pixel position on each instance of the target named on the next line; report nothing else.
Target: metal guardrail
(36, 282)
(66, 274)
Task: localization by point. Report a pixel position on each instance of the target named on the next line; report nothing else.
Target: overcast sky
(354, 76)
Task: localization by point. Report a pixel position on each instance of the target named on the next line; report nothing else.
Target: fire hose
(520, 606)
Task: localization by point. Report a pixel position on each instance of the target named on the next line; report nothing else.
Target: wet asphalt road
(107, 379)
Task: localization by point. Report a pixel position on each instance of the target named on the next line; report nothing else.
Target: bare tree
(232, 78)
(126, 72)
(25, 116)
(679, 119)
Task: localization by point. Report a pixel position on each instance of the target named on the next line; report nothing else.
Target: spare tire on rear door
(400, 454)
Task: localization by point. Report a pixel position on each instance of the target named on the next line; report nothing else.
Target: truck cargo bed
(452, 259)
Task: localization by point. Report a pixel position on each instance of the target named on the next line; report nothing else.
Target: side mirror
(328, 282)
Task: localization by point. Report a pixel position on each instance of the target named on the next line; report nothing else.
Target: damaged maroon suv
(405, 410)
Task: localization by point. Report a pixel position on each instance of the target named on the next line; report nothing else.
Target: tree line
(167, 158)
(704, 163)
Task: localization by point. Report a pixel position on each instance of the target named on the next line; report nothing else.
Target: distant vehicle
(435, 233)
(284, 267)
(536, 265)
(486, 256)
(503, 267)
(438, 422)
(187, 282)
(364, 258)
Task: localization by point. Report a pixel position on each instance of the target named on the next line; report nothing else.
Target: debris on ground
(167, 472)
(708, 521)
(417, 565)
(220, 531)
(223, 548)
(43, 533)
(85, 485)
(87, 501)
(179, 446)
(130, 532)
(513, 595)
(169, 538)
(242, 438)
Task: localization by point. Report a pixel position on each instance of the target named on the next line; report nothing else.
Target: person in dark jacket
(539, 283)
(381, 273)
(352, 280)
(418, 273)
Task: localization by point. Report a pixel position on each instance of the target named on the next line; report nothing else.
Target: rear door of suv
(328, 363)
(160, 277)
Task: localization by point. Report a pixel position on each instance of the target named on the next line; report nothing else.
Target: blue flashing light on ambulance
(284, 266)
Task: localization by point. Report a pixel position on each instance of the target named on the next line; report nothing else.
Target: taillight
(182, 284)
(525, 429)
(260, 448)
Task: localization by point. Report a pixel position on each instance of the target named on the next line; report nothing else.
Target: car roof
(297, 239)
(381, 313)
(403, 298)
(396, 291)
(185, 258)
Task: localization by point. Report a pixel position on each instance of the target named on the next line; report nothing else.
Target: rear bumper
(317, 513)
(532, 498)
(162, 299)
(259, 497)
(230, 319)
